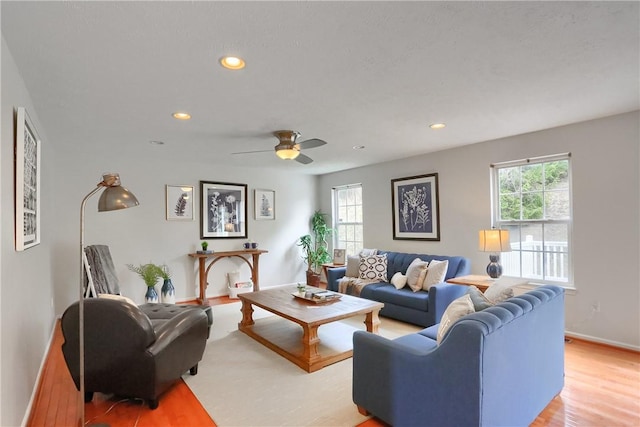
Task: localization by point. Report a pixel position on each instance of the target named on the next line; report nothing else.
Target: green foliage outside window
(533, 192)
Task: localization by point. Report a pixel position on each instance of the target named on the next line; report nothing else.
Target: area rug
(242, 383)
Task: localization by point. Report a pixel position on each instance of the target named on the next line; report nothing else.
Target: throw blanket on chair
(102, 270)
(352, 285)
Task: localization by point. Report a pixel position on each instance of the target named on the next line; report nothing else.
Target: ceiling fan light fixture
(287, 152)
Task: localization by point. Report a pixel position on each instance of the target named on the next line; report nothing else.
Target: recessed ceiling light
(156, 142)
(181, 116)
(437, 126)
(232, 62)
(358, 147)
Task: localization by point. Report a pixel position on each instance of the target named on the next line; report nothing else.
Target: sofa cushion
(499, 291)
(414, 270)
(457, 309)
(374, 267)
(436, 272)
(353, 266)
(399, 280)
(417, 342)
(405, 297)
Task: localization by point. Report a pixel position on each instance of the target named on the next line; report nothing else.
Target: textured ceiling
(109, 74)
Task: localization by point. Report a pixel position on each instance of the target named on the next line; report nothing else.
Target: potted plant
(315, 247)
(167, 292)
(149, 273)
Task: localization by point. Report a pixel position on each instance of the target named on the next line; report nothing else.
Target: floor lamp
(114, 197)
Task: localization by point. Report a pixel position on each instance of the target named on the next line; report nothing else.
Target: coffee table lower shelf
(286, 338)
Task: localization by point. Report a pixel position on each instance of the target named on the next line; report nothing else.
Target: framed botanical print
(415, 208)
(223, 210)
(179, 203)
(264, 203)
(27, 181)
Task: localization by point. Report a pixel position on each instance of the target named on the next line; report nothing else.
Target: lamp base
(494, 269)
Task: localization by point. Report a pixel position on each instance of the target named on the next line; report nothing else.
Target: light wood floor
(602, 388)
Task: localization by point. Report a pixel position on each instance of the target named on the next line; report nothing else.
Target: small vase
(168, 292)
(151, 295)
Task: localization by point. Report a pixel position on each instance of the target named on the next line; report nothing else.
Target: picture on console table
(223, 210)
(415, 208)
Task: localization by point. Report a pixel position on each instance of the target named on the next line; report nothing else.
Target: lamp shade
(117, 197)
(494, 240)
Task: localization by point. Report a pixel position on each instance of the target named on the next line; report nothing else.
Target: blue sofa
(497, 367)
(420, 308)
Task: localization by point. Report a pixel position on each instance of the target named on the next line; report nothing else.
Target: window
(347, 218)
(532, 199)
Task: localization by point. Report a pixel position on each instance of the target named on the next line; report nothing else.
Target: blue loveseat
(497, 367)
(420, 308)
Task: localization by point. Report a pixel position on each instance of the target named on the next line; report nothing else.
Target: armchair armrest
(180, 327)
(333, 275)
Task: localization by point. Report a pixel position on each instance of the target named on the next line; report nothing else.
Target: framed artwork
(179, 203)
(27, 182)
(338, 256)
(415, 208)
(264, 203)
(223, 210)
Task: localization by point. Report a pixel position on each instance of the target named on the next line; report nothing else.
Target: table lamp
(114, 197)
(494, 241)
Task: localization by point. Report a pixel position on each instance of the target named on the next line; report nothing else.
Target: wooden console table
(203, 268)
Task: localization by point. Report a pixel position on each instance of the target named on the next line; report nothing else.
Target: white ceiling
(351, 73)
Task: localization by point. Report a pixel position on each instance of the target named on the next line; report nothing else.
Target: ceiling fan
(289, 149)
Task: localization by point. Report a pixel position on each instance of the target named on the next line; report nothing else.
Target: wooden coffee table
(309, 348)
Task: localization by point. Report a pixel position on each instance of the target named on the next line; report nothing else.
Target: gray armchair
(127, 355)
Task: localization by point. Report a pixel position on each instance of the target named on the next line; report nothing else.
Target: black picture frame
(416, 208)
(223, 210)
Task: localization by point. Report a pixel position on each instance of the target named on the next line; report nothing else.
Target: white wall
(605, 204)
(142, 234)
(27, 313)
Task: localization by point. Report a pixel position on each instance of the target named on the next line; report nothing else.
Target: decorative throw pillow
(499, 292)
(374, 268)
(413, 273)
(117, 298)
(457, 309)
(436, 272)
(399, 280)
(353, 266)
(480, 301)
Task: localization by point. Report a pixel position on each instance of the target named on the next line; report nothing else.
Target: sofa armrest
(441, 295)
(333, 275)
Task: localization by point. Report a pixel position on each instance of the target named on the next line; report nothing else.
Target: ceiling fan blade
(257, 151)
(311, 143)
(305, 160)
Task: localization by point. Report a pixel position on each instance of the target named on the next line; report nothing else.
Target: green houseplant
(149, 273)
(315, 247)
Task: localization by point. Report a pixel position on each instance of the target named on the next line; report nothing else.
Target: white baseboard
(36, 385)
(602, 341)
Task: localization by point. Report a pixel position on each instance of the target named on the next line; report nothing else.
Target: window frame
(335, 218)
(498, 223)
